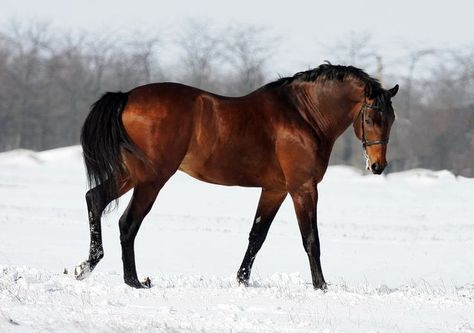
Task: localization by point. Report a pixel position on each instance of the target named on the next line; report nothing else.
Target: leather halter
(365, 142)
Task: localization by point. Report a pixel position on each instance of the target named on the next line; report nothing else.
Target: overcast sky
(304, 26)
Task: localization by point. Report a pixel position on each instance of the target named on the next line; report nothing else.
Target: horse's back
(232, 142)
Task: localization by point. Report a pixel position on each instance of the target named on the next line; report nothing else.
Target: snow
(397, 252)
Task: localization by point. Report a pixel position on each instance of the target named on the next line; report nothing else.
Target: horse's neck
(328, 109)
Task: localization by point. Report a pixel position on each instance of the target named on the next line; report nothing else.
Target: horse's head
(372, 126)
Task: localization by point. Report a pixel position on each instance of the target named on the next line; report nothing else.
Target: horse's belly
(209, 177)
(234, 171)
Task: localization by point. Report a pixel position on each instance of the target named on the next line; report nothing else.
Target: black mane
(373, 88)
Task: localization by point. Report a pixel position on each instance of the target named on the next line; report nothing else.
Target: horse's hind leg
(144, 196)
(96, 203)
(268, 205)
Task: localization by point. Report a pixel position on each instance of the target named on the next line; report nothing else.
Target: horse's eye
(369, 121)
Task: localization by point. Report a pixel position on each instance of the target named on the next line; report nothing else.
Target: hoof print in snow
(14, 323)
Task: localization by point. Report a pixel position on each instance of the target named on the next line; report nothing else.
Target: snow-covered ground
(397, 251)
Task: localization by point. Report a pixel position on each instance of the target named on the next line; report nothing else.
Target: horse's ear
(393, 91)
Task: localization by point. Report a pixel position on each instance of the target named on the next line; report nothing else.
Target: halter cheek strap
(365, 142)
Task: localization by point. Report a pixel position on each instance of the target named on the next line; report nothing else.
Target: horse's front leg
(305, 199)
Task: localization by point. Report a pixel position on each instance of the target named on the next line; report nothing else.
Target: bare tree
(247, 50)
(356, 49)
(201, 52)
(49, 79)
(27, 44)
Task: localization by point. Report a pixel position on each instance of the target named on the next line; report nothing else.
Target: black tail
(102, 138)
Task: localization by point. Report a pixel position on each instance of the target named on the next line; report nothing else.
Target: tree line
(48, 79)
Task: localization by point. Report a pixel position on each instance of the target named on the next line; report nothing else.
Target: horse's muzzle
(377, 168)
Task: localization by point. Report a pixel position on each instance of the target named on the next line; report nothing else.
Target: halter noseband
(365, 142)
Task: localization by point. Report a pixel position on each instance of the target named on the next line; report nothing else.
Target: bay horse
(279, 138)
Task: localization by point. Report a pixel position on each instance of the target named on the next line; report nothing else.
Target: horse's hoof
(242, 281)
(134, 283)
(82, 270)
(321, 286)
